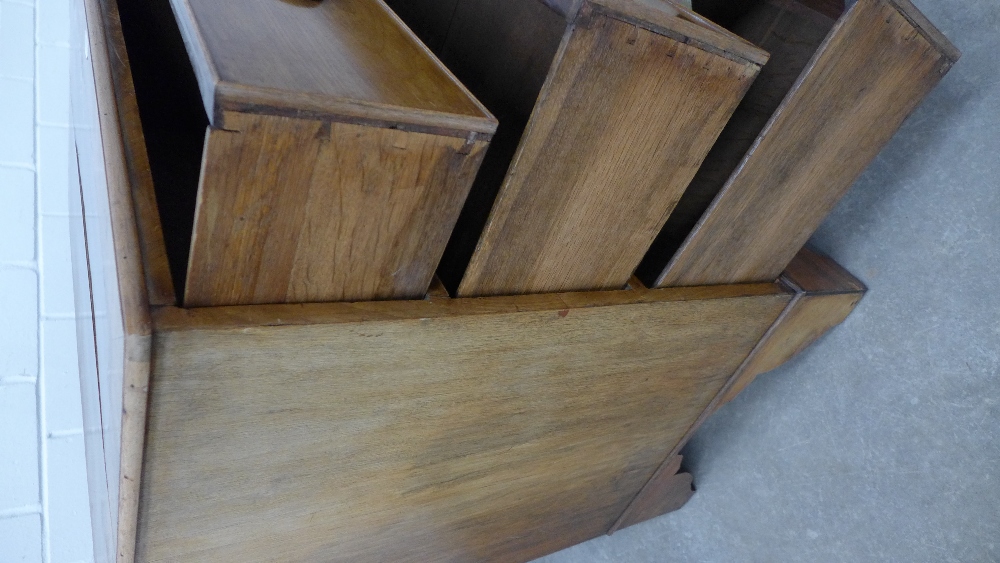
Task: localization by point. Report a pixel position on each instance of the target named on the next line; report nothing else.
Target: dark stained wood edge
(930, 32)
(159, 284)
(168, 319)
(230, 112)
(669, 492)
(627, 515)
(709, 38)
(136, 321)
(205, 73)
(811, 269)
(910, 13)
(268, 101)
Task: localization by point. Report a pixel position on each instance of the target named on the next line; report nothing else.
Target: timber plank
(497, 436)
(876, 65)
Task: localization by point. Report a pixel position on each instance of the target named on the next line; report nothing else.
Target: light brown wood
(118, 304)
(667, 492)
(828, 294)
(497, 436)
(613, 136)
(293, 210)
(870, 73)
(347, 58)
(791, 33)
(613, 142)
(349, 146)
(825, 294)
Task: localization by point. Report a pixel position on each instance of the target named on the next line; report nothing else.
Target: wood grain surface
(481, 436)
(877, 64)
(791, 33)
(351, 58)
(293, 210)
(613, 141)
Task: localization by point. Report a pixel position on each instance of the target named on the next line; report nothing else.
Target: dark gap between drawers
(173, 120)
(791, 31)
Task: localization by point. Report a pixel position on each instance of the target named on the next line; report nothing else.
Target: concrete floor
(882, 441)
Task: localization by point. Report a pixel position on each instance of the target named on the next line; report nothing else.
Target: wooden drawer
(606, 109)
(839, 84)
(301, 151)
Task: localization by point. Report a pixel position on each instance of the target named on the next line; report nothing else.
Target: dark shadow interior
(173, 120)
(501, 50)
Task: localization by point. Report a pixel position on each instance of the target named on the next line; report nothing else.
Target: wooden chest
(434, 428)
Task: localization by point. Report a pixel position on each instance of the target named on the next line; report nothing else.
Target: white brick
(19, 329)
(22, 539)
(18, 447)
(53, 21)
(17, 135)
(17, 44)
(54, 151)
(17, 215)
(61, 376)
(69, 505)
(56, 267)
(53, 84)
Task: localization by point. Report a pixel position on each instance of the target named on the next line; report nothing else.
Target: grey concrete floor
(882, 441)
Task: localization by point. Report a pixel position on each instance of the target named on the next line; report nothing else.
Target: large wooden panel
(877, 64)
(613, 142)
(293, 210)
(415, 434)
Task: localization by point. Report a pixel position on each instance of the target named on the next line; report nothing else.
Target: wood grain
(347, 58)
(827, 295)
(869, 74)
(294, 210)
(791, 33)
(489, 436)
(613, 141)
(159, 284)
(502, 51)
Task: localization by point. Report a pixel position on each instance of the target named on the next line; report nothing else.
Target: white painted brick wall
(44, 514)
